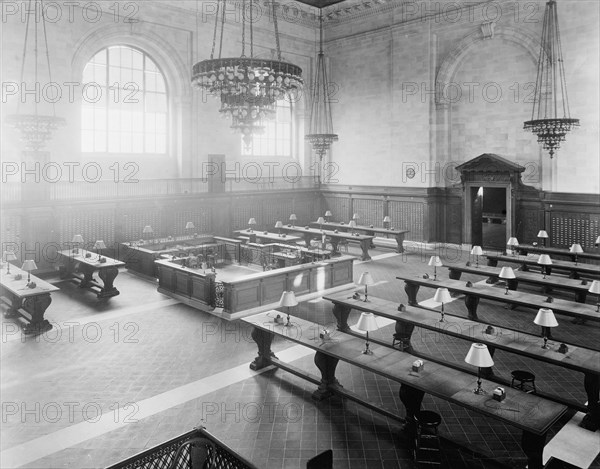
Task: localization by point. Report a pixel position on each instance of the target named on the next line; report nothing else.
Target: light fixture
(544, 260)
(595, 288)
(352, 225)
(367, 323)
(543, 235)
(28, 266)
(507, 273)
(320, 134)
(293, 219)
(480, 357)
(320, 221)
(545, 318)
(512, 242)
(247, 86)
(355, 217)
(288, 300)
(99, 246)
(597, 242)
(386, 221)
(279, 225)
(550, 117)
(576, 249)
(9, 256)
(77, 240)
(436, 262)
(189, 226)
(35, 129)
(147, 232)
(442, 295)
(477, 251)
(328, 215)
(251, 222)
(366, 279)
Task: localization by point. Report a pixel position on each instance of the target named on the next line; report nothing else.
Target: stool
(427, 443)
(523, 377)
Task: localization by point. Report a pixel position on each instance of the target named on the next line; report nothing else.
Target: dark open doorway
(488, 217)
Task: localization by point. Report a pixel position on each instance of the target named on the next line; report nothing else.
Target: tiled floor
(117, 376)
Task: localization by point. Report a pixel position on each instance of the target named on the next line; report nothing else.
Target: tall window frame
(277, 140)
(125, 107)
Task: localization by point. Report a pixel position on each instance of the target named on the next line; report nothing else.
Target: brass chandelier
(35, 129)
(248, 87)
(320, 134)
(551, 119)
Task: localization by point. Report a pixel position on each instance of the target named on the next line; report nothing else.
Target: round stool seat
(524, 376)
(428, 418)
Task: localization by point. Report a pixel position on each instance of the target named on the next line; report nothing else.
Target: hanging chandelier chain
(275, 26)
(243, 28)
(47, 55)
(251, 30)
(222, 28)
(214, 43)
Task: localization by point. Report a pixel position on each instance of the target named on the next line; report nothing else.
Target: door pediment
(490, 167)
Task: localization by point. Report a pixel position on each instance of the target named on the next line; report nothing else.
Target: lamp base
(367, 352)
(479, 391)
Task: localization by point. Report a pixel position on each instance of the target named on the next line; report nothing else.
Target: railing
(106, 189)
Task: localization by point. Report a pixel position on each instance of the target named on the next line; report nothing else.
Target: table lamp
(352, 225)
(77, 240)
(251, 222)
(355, 216)
(99, 246)
(386, 222)
(279, 225)
(544, 260)
(28, 266)
(507, 274)
(436, 262)
(288, 299)
(367, 323)
(442, 295)
(545, 318)
(320, 221)
(595, 288)
(147, 232)
(477, 251)
(576, 249)
(480, 357)
(597, 242)
(543, 236)
(328, 215)
(512, 242)
(366, 279)
(189, 226)
(9, 256)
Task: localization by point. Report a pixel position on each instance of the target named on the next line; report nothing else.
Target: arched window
(277, 137)
(124, 106)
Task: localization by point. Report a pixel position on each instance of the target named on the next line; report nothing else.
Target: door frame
(467, 206)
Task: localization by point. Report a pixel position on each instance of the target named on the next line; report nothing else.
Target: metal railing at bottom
(197, 449)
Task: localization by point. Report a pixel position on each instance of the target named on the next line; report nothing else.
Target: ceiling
(320, 3)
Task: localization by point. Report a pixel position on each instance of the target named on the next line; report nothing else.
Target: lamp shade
(321, 220)
(9, 256)
(479, 355)
(477, 251)
(544, 259)
(147, 229)
(29, 265)
(442, 295)
(77, 239)
(512, 241)
(328, 213)
(99, 244)
(278, 224)
(387, 219)
(293, 216)
(367, 322)
(576, 248)
(252, 221)
(542, 234)
(545, 317)
(352, 224)
(507, 272)
(435, 261)
(288, 299)
(595, 287)
(355, 216)
(365, 279)
(189, 226)
(597, 243)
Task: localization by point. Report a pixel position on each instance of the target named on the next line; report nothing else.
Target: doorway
(488, 217)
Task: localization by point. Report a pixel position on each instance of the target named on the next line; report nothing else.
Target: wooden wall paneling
(370, 211)
(199, 215)
(134, 218)
(10, 236)
(408, 215)
(93, 222)
(567, 228)
(453, 221)
(276, 209)
(339, 205)
(241, 211)
(306, 207)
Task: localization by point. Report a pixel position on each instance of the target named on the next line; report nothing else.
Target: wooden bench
(527, 248)
(528, 412)
(574, 270)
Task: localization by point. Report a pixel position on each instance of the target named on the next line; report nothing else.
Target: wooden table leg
(263, 340)
(37, 306)
(411, 290)
(372, 242)
(326, 365)
(400, 241)
(412, 399)
(364, 245)
(492, 262)
(471, 302)
(403, 334)
(591, 383)
(334, 246)
(88, 272)
(108, 276)
(533, 447)
(341, 313)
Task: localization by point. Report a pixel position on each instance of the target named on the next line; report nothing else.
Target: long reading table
(527, 248)
(574, 269)
(368, 230)
(88, 263)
